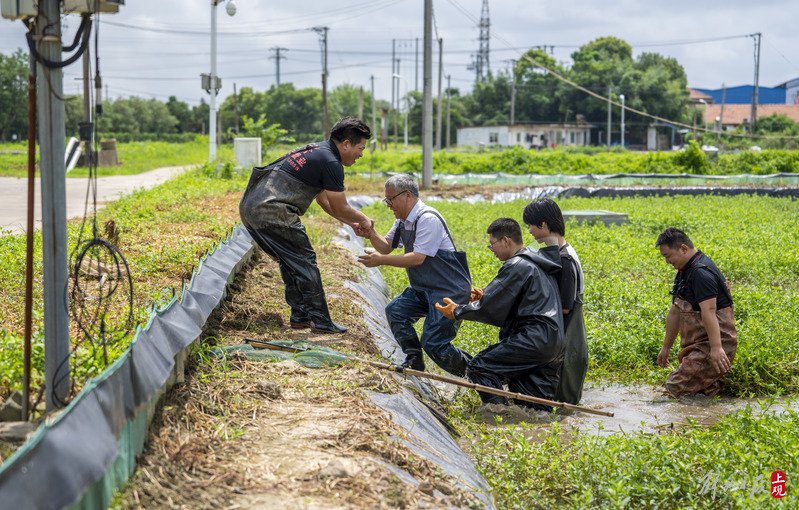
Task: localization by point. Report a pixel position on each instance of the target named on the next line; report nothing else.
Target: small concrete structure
(595, 216)
(247, 152)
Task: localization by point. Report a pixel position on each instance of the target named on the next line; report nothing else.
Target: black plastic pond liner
(79, 457)
(663, 191)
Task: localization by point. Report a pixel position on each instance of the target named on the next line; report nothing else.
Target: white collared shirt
(431, 235)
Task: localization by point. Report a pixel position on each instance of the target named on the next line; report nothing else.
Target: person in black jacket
(279, 193)
(523, 300)
(544, 220)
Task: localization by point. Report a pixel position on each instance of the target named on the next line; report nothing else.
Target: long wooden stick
(259, 344)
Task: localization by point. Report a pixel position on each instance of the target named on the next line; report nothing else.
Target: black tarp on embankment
(79, 457)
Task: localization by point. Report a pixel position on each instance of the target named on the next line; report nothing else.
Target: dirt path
(14, 195)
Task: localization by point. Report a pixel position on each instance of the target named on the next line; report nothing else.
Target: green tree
(538, 91)
(200, 115)
(652, 84)
(270, 134)
(777, 124)
(181, 112)
(298, 111)
(343, 101)
(490, 101)
(14, 95)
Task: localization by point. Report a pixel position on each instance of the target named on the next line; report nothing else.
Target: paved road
(14, 195)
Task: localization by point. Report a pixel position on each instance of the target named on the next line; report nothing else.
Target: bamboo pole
(259, 344)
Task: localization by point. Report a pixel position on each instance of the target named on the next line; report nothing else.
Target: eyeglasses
(390, 201)
(490, 246)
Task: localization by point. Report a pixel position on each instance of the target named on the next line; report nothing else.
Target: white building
(529, 136)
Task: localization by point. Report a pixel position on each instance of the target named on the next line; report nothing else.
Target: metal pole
(324, 90)
(212, 101)
(621, 96)
(374, 117)
(755, 91)
(440, 98)
(26, 358)
(236, 106)
(393, 70)
(427, 102)
(396, 107)
(54, 210)
(448, 111)
(513, 93)
(416, 68)
(609, 105)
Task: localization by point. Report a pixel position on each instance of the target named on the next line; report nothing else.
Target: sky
(159, 48)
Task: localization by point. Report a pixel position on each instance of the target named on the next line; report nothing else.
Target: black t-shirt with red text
(316, 164)
(700, 280)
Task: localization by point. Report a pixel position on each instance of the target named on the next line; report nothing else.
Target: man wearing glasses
(435, 269)
(524, 302)
(279, 193)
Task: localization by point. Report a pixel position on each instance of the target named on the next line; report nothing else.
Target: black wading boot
(299, 318)
(414, 362)
(320, 316)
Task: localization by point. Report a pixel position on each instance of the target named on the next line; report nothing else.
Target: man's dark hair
(673, 238)
(350, 128)
(506, 227)
(545, 210)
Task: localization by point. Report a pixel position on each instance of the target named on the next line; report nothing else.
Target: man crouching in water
(524, 301)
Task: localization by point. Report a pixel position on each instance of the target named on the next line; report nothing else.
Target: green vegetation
(726, 466)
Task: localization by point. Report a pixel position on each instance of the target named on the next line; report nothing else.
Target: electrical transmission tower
(480, 61)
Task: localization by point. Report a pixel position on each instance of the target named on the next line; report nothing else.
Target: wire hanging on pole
(100, 284)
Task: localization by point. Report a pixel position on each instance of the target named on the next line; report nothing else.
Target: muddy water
(635, 409)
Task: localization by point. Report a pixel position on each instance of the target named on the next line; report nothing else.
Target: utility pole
(278, 57)
(440, 98)
(416, 68)
(374, 118)
(427, 102)
(610, 86)
(236, 107)
(396, 108)
(322, 31)
(54, 209)
(449, 97)
(513, 92)
(723, 99)
(394, 71)
(755, 91)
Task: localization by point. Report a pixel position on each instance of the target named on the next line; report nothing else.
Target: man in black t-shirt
(702, 313)
(279, 193)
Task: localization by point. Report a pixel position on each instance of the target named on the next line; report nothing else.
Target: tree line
(651, 83)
